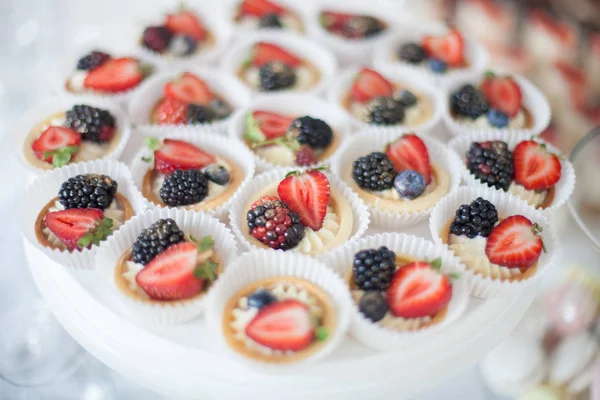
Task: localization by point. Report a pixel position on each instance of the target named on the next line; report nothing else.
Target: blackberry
(87, 191)
(93, 124)
(362, 26)
(271, 222)
(491, 163)
(411, 53)
(276, 75)
(182, 188)
(92, 60)
(197, 114)
(374, 172)
(469, 101)
(152, 241)
(157, 38)
(373, 305)
(384, 111)
(311, 131)
(270, 21)
(374, 269)
(477, 218)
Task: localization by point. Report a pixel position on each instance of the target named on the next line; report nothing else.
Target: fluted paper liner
(237, 212)
(191, 223)
(262, 264)
(507, 206)
(563, 188)
(299, 10)
(209, 141)
(368, 141)
(533, 100)
(302, 48)
(297, 105)
(46, 187)
(406, 76)
(381, 338)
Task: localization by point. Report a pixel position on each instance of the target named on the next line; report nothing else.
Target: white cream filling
(396, 323)
(76, 80)
(516, 122)
(393, 194)
(533, 197)
(316, 240)
(305, 78)
(277, 154)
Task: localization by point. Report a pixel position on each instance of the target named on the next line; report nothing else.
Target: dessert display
(351, 26)
(259, 14)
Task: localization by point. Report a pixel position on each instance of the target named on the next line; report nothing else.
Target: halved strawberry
(418, 290)
(514, 243)
(188, 88)
(333, 20)
(307, 195)
(114, 75)
(186, 23)
(503, 94)
(170, 275)
(369, 84)
(260, 8)
(535, 168)
(52, 140)
(449, 48)
(284, 325)
(272, 125)
(178, 154)
(266, 52)
(73, 224)
(409, 152)
(171, 112)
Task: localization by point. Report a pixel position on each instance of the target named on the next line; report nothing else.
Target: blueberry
(410, 184)
(373, 305)
(497, 118)
(437, 66)
(261, 298)
(217, 174)
(407, 98)
(220, 108)
(412, 53)
(182, 45)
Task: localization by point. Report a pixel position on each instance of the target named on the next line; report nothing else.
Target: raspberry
(271, 222)
(305, 156)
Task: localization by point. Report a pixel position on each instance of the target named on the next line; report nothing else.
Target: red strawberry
(114, 75)
(449, 48)
(334, 20)
(307, 195)
(188, 88)
(284, 325)
(272, 125)
(260, 8)
(178, 154)
(267, 52)
(503, 94)
(369, 84)
(514, 243)
(171, 112)
(52, 139)
(535, 168)
(186, 23)
(73, 224)
(409, 152)
(170, 275)
(418, 290)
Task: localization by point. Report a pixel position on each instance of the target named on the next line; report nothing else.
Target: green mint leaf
(321, 334)
(152, 143)
(207, 271)
(436, 264)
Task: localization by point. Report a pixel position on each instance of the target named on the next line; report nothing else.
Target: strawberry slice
(266, 52)
(514, 243)
(114, 75)
(369, 84)
(535, 168)
(73, 224)
(418, 290)
(186, 23)
(307, 195)
(284, 325)
(449, 48)
(272, 125)
(171, 112)
(409, 152)
(334, 20)
(188, 88)
(260, 8)
(503, 93)
(52, 140)
(178, 154)
(170, 275)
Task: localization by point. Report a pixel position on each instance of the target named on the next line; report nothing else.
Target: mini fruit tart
(266, 14)
(549, 38)
(351, 26)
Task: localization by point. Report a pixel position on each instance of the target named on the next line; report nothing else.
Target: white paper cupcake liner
(152, 90)
(207, 140)
(297, 105)
(237, 212)
(300, 11)
(399, 74)
(191, 223)
(506, 205)
(303, 48)
(563, 188)
(263, 264)
(46, 187)
(380, 338)
(23, 141)
(368, 141)
(533, 100)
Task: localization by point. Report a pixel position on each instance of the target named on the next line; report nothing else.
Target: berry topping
(449, 48)
(410, 184)
(270, 21)
(418, 290)
(260, 8)
(535, 167)
(217, 173)
(305, 156)
(384, 111)
(182, 188)
(515, 243)
(491, 163)
(267, 52)
(157, 38)
(181, 46)
(468, 101)
(497, 118)
(477, 218)
(307, 194)
(87, 191)
(313, 132)
(373, 305)
(406, 98)
(178, 154)
(374, 269)
(437, 66)
(186, 23)
(220, 108)
(285, 326)
(360, 27)
(270, 125)
(272, 223)
(411, 53)
(171, 112)
(115, 75)
(92, 60)
(94, 124)
(56, 145)
(188, 88)
(78, 227)
(152, 241)
(503, 93)
(410, 152)
(374, 172)
(261, 298)
(334, 21)
(369, 84)
(197, 114)
(276, 75)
